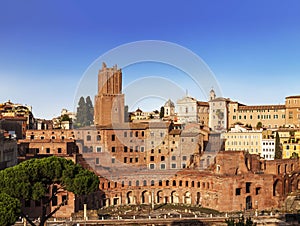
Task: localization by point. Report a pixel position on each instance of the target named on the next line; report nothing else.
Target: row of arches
(156, 197)
(286, 185)
(159, 183)
(286, 168)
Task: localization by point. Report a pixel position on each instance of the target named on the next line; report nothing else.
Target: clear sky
(253, 47)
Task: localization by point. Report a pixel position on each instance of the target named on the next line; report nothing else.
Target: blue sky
(253, 47)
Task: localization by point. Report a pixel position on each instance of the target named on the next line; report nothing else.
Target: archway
(129, 197)
(248, 203)
(159, 197)
(198, 198)
(174, 197)
(277, 188)
(145, 198)
(187, 198)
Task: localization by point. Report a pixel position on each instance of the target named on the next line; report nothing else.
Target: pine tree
(85, 112)
(278, 152)
(162, 112)
(90, 111)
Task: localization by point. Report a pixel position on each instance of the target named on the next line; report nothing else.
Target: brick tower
(109, 102)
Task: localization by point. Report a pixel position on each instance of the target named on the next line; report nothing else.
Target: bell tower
(109, 102)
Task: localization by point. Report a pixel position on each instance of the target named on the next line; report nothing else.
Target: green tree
(259, 125)
(162, 112)
(126, 114)
(294, 155)
(85, 112)
(278, 151)
(90, 110)
(65, 118)
(10, 209)
(33, 179)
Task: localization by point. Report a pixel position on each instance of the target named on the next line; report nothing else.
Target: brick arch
(145, 197)
(130, 199)
(277, 188)
(187, 197)
(159, 196)
(175, 197)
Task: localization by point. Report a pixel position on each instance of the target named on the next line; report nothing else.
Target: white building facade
(268, 149)
(187, 111)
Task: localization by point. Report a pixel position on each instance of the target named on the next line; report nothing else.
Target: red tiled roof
(261, 107)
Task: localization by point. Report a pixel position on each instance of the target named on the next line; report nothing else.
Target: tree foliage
(294, 155)
(10, 209)
(32, 180)
(278, 151)
(162, 112)
(259, 125)
(85, 112)
(126, 114)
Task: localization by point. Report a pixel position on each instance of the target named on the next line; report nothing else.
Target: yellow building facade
(244, 140)
(292, 104)
(271, 116)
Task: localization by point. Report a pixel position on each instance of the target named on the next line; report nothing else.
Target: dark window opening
(248, 185)
(64, 200)
(257, 191)
(238, 191)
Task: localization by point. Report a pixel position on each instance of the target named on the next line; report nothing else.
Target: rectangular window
(59, 150)
(113, 149)
(125, 134)
(142, 148)
(97, 161)
(99, 149)
(113, 137)
(152, 158)
(173, 157)
(184, 158)
(290, 115)
(125, 159)
(113, 160)
(54, 201)
(152, 166)
(47, 150)
(173, 166)
(248, 185)
(125, 148)
(238, 191)
(163, 166)
(64, 200)
(257, 191)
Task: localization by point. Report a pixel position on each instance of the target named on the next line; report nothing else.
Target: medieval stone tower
(109, 102)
